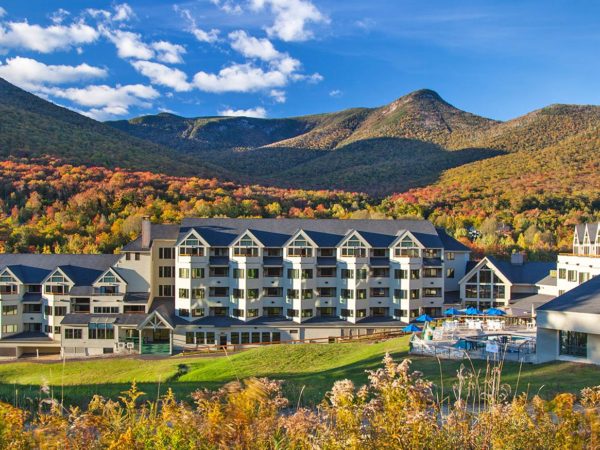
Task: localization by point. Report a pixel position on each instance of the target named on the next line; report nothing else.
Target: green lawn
(308, 371)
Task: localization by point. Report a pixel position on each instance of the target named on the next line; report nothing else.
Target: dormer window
(57, 278)
(300, 248)
(246, 247)
(109, 278)
(6, 277)
(354, 248)
(408, 248)
(191, 247)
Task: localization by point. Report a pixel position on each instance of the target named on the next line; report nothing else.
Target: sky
(281, 58)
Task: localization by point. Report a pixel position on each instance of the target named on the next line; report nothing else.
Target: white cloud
(129, 44)
(291, 18)
(22, 35)
(30, 74)
(228, 6)
(278, 95)
(58, 16)
(106, 101)
(200, 34)
(168, 52)
(311, 79)
(252, 47)
(123, 12)
(336, 93)
(240, 78)
(2, 11)
(163, 75)
(258, 112)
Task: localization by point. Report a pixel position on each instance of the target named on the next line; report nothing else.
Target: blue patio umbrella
(494, 312)
(411, 328)
(472, 311)
(423, 318)
(452, 312)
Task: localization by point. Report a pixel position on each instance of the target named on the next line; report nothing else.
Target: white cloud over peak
(278, 95)
(30, 74)
(336, 93)
(252, 47)
(106, 101)
(240, 78)
(258, 112)
(163, 75)
(22, 35)
(168, 52)
(291, 18)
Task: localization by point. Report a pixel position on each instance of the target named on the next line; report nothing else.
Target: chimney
(146, 232)
(517, 258)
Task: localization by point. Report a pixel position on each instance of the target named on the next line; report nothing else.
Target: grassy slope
(308, 371)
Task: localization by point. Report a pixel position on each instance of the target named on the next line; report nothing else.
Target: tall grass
(396, 408)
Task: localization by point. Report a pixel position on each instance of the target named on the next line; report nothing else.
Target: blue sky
(278, 58)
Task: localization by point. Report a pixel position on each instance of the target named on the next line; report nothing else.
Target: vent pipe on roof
(146, 232)
(517, 258)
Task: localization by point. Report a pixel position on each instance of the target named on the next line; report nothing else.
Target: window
(471, 291)
(73, 333)
(432, 253)
(31, 308)
(55, 289)
(431, 272)
(306, 274)
(219, 272)
(354, 248)
(361, 294)
(8, 289)
(106, 290)
(253, 274)
(415, 294)
(101, 331)
(276, 336)
(379, 252)
(245, 337)
(47, 310)
(347, 294)
(128, 256)
(449, 273)
(165, 290)
(198, 293)
(432, 292)
(210, 337)
(272, 311)
(235, 338)
(246, 247)
(499, 291)
(292, 313)
(361, 313)
(380, 292)
(346, 313)
(184, 312)
(562, 274)
(166, 253)
(400, 294)
(273, 252)
(273, 292)
(252, 294)
(5, 277)
(362, 274)
(9, 310)
(184, 293)
(60, 310)
(197, 272)
(219, 251)
(307, 313)
(347, 274)
(237, 293)
(400, 274)
(137, 256)
(485, 276)
(307, 294)
(327, 291)
(583, 277)
(238, 312)
(300, 248)
(219, 311)
(253, 312)
(266, 336)
(407, 248)
(573, 343)
(293, 274)
(293, 293)
(380, 272)
(327, 252)
(218, 292)
(189, 337)
(57, 278)
(191, 247)
(183, 272)
(415, 274)
(449, 256)
(56, 330)
(273, 272)
(571, 275)
(108, 278)
(32, 327)
(134, 309)
(326, 272)
(106, 310)
(198, 312)
(9, 329)
(238, 273)
(80, 305)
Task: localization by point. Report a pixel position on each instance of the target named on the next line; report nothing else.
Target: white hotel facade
(229, 282)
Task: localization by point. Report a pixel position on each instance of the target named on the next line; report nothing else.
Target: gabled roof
(584, 298)
(221, 232)
(530, 272)
(81, 276)
(27, 275)
(114, 271)
(450, 244)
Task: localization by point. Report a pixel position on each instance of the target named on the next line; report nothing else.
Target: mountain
(31, 126)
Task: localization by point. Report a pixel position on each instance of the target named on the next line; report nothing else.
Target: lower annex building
(229, 281)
